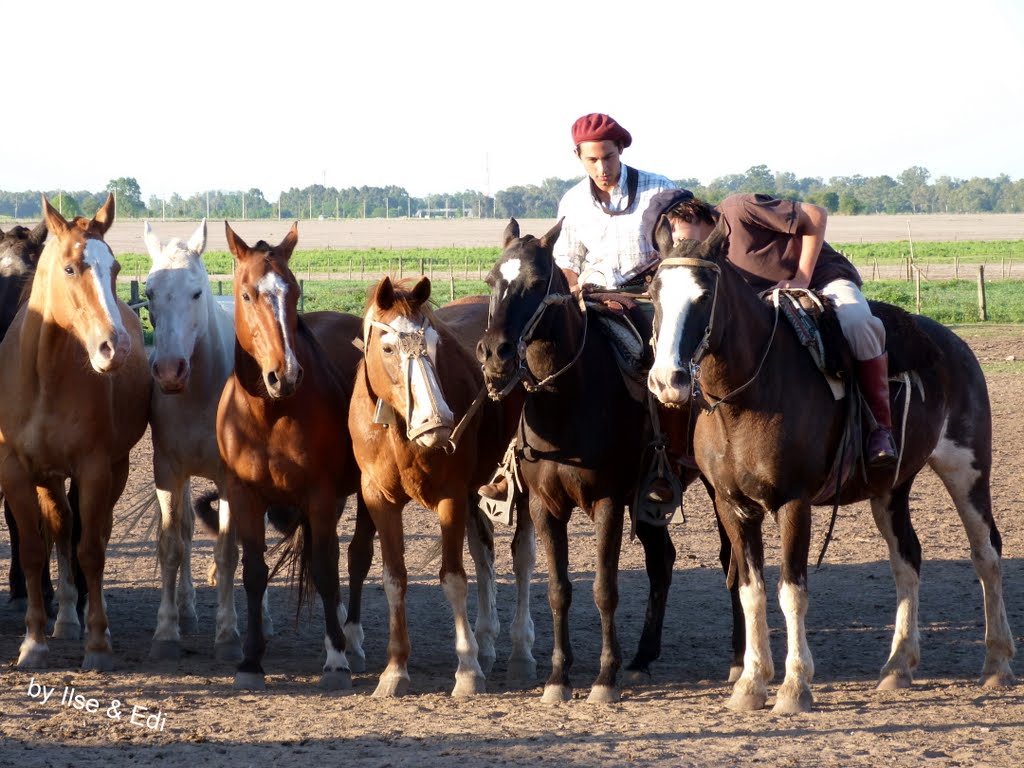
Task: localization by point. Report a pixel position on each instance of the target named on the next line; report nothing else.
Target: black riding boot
(873, 377)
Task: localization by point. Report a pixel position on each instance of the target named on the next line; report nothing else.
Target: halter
(706, 400)
(412, 350)
(523, 372)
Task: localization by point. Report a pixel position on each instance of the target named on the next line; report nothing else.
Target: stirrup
(648, 510)
(500, 510)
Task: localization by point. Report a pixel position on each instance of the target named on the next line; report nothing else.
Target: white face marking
(679, 289)
(274, 289)
(510, 271)
(101, 266)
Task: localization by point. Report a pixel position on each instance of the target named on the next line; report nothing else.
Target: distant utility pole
(387, 207)
(207, 203)
(408, 207)
(311, 206)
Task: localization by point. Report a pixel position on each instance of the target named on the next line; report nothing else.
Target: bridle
(523, 373)
(708, 402)
(413, 351)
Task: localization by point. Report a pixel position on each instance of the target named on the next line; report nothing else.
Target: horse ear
(511, 232)
(236, 244)
(552, 234)
(286, 246)
(384, 296)
(717, 244)
(152, 241)
(104, 217)
(197, 243)
(38, 235)
(421, 291)
(54, 221)
(663, 236)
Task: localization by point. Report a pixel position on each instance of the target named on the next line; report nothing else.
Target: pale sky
(186, 96)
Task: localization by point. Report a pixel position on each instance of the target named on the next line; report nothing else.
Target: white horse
(193, 355)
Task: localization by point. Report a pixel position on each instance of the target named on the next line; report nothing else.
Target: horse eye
(196, 295)
(387, 349)
(245, 297)
(69, 270)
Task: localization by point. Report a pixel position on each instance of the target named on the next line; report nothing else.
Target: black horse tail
(295, 553)
(282, 518)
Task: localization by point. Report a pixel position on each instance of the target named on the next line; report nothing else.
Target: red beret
(598, 127)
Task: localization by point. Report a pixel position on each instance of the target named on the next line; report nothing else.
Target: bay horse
(193, 355)
(580, 444)
(283, 437)
(766, 442)
(423, 430)
(73, 370)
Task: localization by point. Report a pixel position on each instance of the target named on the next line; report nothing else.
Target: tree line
(913, 191)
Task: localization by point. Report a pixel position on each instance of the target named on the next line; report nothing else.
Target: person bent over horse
(602, 243)
(778, 243)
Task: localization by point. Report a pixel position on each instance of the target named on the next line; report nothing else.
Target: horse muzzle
(111, 352)
(278, 386)
(670, 385)
(171, 374)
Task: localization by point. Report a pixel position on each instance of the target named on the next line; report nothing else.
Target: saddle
(626, 320)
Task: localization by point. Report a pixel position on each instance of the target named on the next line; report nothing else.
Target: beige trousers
(862, 330)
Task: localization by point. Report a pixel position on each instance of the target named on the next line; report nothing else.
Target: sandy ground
(126, 234)
(676, 718)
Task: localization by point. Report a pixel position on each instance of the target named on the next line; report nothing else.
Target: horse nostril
(481, 352)
(505, 351)
(182, 369)
(272, 380)
(107, 350)
(298, 377)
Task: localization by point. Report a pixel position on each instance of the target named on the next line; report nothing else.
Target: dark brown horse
(74, 373)
(580, 444)
(283, 436)
(766, 442)
(423, 430)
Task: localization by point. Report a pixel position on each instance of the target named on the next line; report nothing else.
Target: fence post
(982, 314)
(133, 294)
(451, 278)
(956, 267)
(917, 289)
(302, 295)
(220, 287)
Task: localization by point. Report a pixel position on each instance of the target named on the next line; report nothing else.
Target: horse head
(20, 248)
(266, 309)
(524, 276)
(178, 290)
(401, 360)
(684, 291)
(77, 273)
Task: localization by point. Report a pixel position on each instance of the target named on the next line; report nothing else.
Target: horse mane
(337, 380)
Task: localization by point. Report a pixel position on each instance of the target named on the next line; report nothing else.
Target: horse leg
(795, 692)
(56, 513)
(732, 582)
(608, 518)
(749, 692)
(188, 622)
(227, 643)
(248, 516)
(387, 518)
(96, 483)
(522, 667)
(892, 518)
(21, 493)
(554, 537)
(469, 677)
(480, 537)
(171, 544)
(965, 473)
(360, 557)
(323, 548)
(659, 559)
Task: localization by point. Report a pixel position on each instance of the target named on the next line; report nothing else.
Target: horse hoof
(188, 625)
(793, 705)
(735, 672)
(486, 662)
(469, 685)
(637, 677)
(336, 680)
(165, 649)
(521, 671)
(747, 702)
(230, 650)
(249, 681)
(1002, 679)
(98, 661)
(556, 694)
(67, 630)
(33, 659)
(894, 681)
(356, 662)
(604, 694)
(391, 687)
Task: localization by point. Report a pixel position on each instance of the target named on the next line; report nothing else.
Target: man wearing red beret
(602, 241)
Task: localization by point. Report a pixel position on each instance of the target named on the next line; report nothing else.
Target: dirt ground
(677, 718)
(355, 234)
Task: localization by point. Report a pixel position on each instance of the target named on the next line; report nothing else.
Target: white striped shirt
(607, 250)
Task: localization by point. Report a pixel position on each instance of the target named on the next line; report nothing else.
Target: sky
(189, 96)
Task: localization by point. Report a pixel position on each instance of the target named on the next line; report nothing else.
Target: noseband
(697, 394)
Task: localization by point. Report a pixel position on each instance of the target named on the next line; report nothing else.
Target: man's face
(601, 161)
(688, 230)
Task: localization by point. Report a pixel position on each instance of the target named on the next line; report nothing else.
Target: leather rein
(708, 402)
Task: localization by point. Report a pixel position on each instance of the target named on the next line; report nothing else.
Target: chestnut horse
(73, 370)
(193, 354)
(283, 436)
(768, 442)
(580, 445)
(423, 430)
